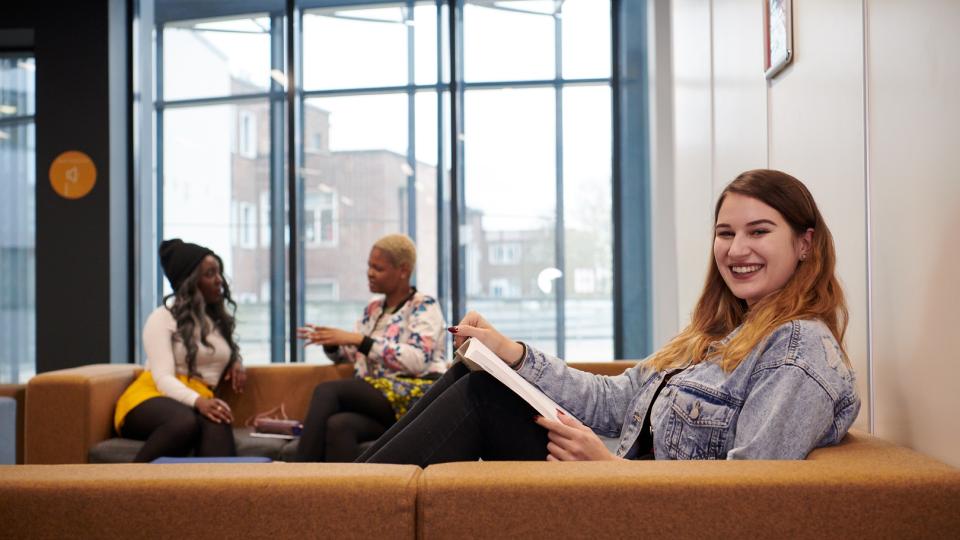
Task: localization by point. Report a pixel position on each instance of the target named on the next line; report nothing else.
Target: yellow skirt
(143, 388)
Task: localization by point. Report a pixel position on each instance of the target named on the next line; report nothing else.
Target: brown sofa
(863, 487)
(69, 413)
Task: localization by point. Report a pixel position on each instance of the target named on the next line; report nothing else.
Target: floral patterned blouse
(399, 352)
(410, 345)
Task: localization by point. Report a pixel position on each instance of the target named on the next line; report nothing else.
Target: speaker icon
(73, 174)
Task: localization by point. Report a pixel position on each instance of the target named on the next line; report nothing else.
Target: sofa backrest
(270, 386)
(69, 411)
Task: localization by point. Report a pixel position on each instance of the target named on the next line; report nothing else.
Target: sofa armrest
(70, 410)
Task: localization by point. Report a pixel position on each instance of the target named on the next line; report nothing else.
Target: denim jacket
(791, 394)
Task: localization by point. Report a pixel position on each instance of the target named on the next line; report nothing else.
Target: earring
(803, 256)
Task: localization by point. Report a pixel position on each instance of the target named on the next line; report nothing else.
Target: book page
(478, 356)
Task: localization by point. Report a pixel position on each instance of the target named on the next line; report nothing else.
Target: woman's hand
(215, 409)
(324, 335)
(475, 326)
(572, 441)
(237, 377)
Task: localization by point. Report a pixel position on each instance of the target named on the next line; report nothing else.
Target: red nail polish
(453, 329)
(560, 412)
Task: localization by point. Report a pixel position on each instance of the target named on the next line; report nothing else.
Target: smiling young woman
(763, 218)
(759, 373)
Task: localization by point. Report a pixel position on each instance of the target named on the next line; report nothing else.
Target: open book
(478, 356)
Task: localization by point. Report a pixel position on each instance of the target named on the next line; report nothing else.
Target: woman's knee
(330, 390)
(481, 382)
(339, 425)
(183, 425)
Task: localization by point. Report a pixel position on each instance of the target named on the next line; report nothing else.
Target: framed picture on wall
(777, 36)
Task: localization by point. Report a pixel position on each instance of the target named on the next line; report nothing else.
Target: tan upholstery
(18, 392)
(860, 489)
(271, 500)
(68, 411)
(290, 385)
(863, 487)
(604, 368)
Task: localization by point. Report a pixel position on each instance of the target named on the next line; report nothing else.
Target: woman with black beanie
(190, 349)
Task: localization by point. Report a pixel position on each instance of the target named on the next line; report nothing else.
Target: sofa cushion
(208, 500)
(120, 450)
(861, 488)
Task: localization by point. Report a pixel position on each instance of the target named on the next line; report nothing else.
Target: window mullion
(560, 254)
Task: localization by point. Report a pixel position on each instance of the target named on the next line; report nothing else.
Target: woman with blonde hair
(396, 351)
(759, 373)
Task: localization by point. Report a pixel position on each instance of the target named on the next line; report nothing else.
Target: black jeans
(173, 429)
(463, 417)
(343, 414)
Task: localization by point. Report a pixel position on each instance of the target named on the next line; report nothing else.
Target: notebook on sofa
(478, 356)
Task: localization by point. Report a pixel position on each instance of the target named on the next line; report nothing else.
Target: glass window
(356, 47)
(17, 219)
(510, 192)
(361, 187)
(588, 225)
(375, 129)
(586, 39)
(320, 219)
(508, 40)
(320, 290)
(204, 176)
(247, 134)
(216, 57)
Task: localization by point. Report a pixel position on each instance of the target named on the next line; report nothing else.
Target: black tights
(343, 414)
(463, 417)
(171, 428)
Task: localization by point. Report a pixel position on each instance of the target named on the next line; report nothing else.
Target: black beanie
(179, 258)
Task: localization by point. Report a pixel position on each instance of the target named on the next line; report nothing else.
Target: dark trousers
(343, 414)
(173, 429)
(464, 416)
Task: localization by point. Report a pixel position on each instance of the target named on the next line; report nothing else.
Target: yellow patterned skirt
(402, 392)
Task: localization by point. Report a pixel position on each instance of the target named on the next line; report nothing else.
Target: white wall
(866, 116)
(913, 120)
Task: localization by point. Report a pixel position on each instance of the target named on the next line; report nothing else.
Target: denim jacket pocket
(697, 426)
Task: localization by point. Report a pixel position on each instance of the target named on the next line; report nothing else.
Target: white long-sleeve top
(167, 357)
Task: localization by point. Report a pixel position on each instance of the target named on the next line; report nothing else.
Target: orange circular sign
(73, 174)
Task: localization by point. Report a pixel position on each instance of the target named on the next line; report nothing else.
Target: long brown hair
(188, 310)
(812, 292)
